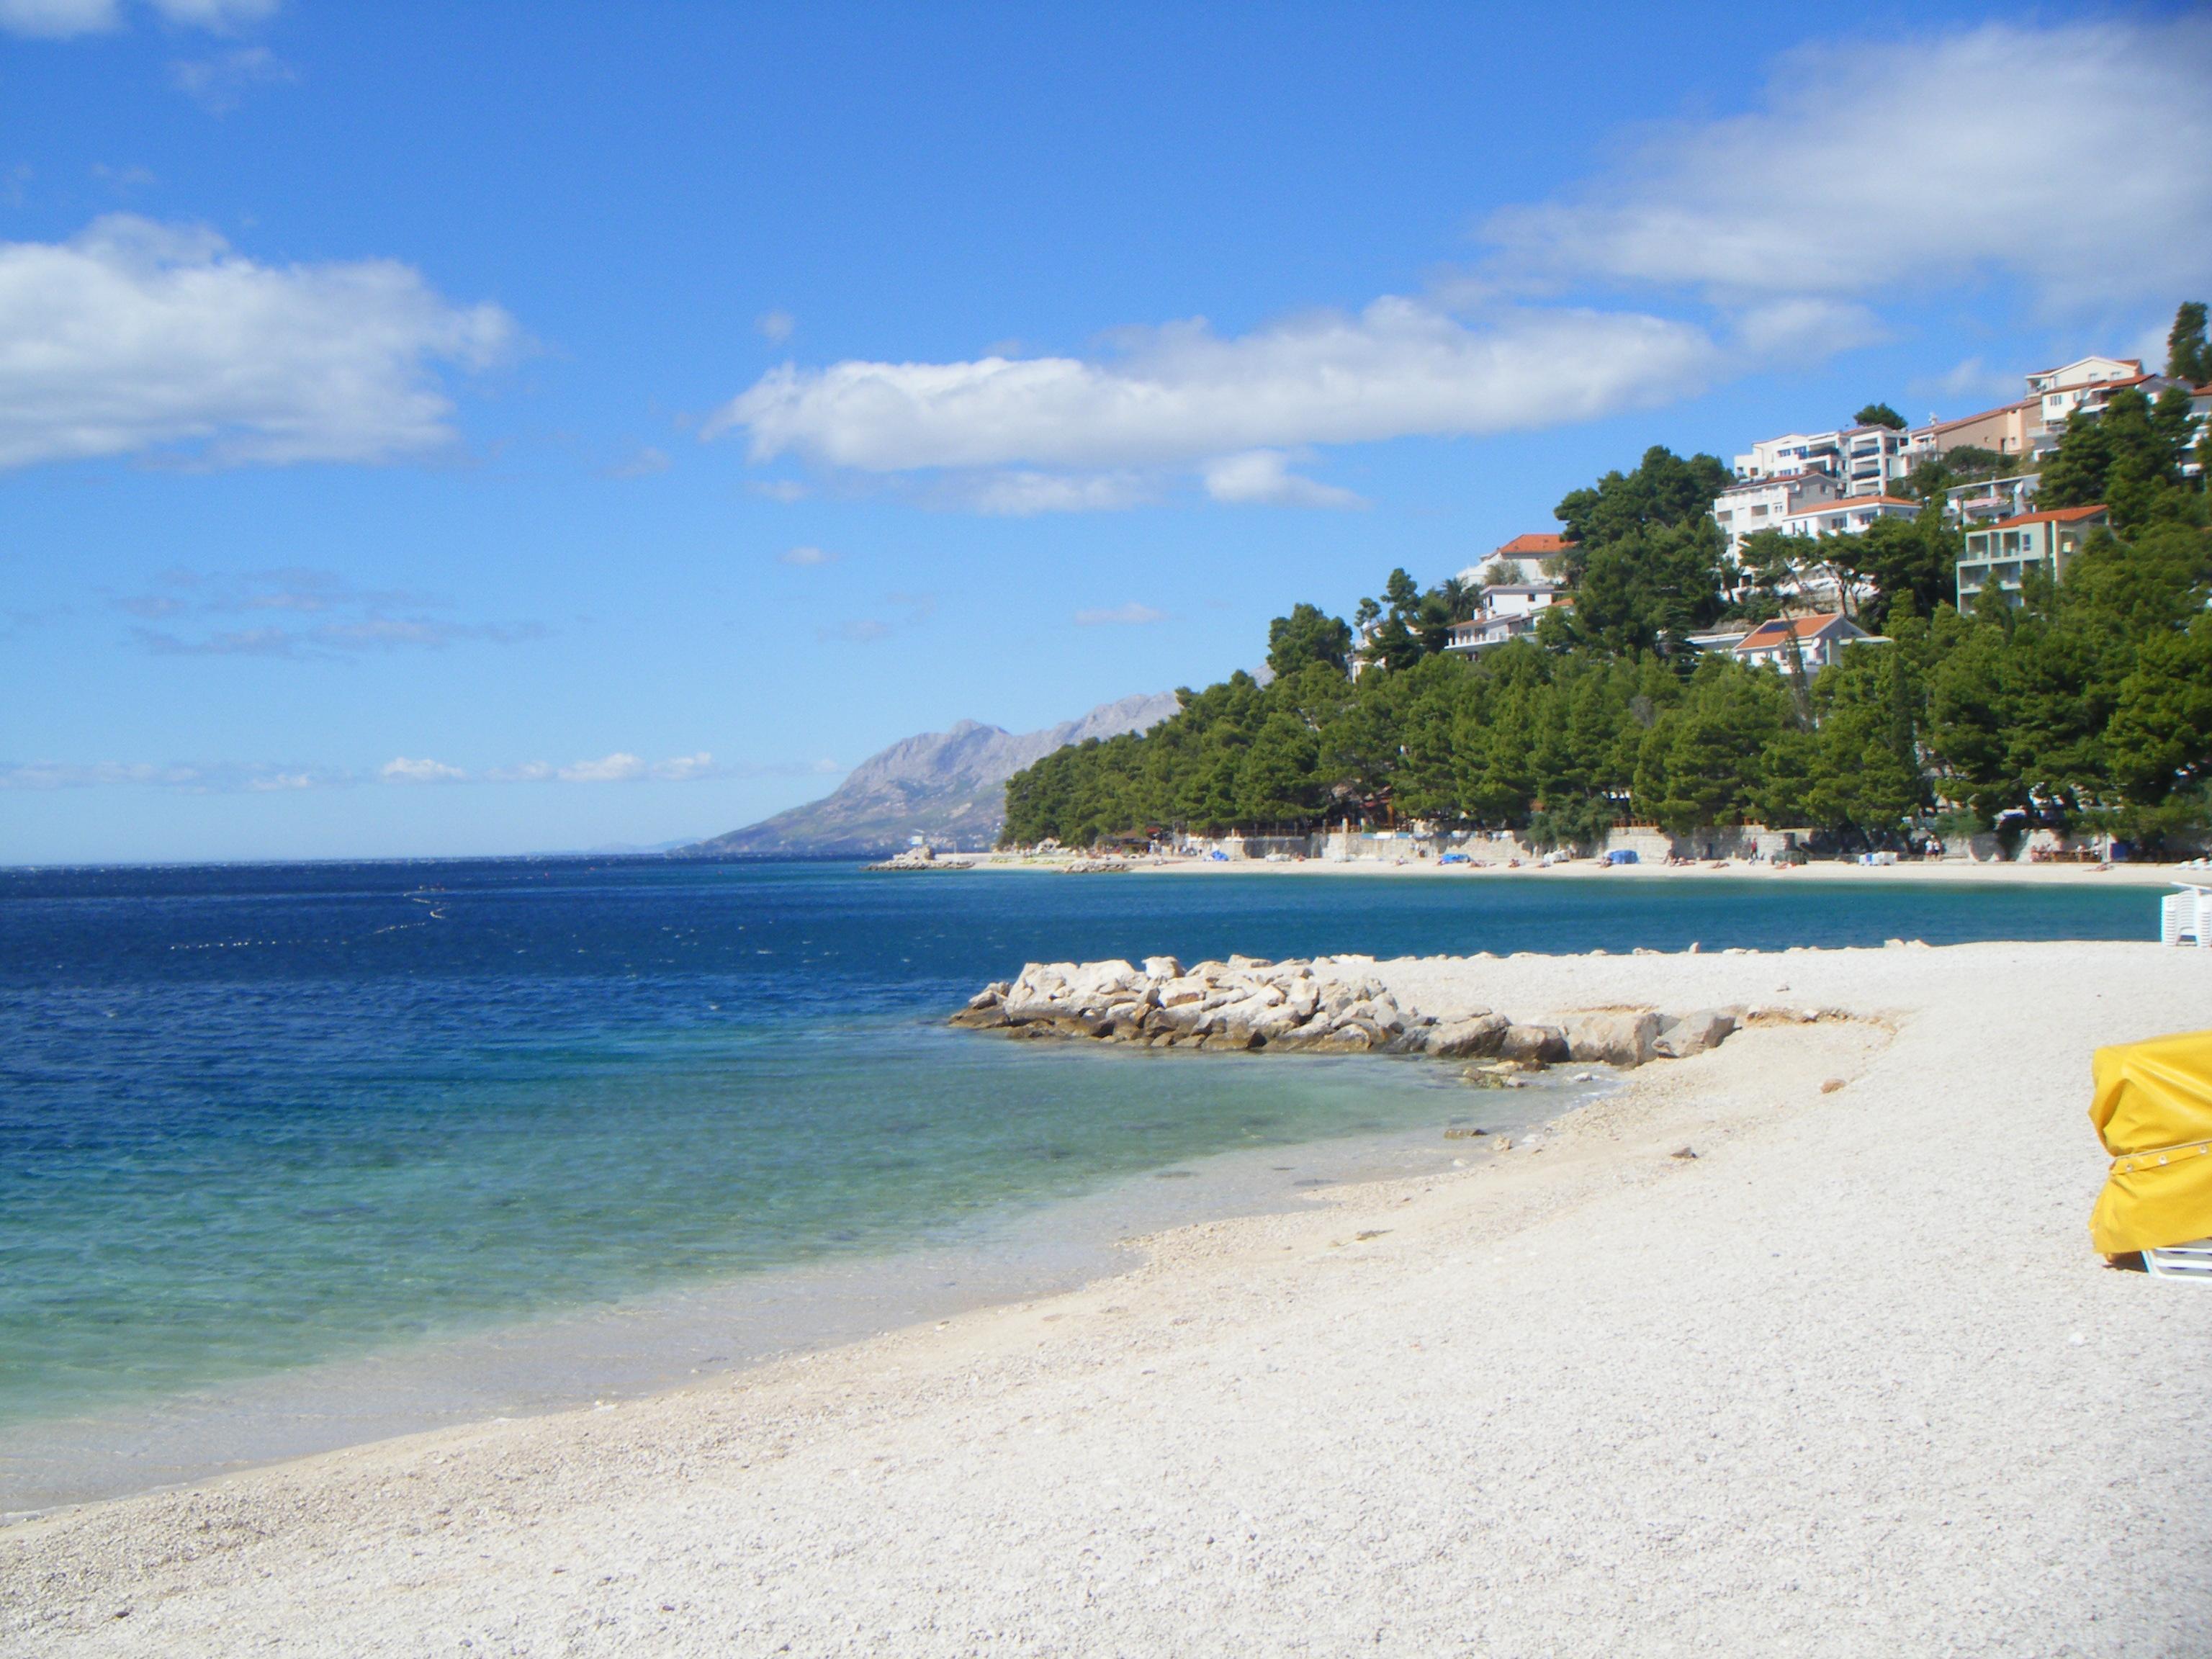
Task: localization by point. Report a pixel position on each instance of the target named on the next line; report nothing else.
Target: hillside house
(1820, 640)
(2003, 552)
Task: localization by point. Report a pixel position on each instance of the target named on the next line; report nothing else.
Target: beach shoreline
(1795, 1345)
(1992, 872)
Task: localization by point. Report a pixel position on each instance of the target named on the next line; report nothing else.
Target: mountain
(948, 785)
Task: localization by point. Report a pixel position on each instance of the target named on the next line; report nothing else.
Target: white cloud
(256, 777)
(221, 16)
(135, 338)
(611, 768)
(60, 19)
(645, 462)
(2071, 157)
(203, 778)
(1131, 614)
(685, 768)
(404, 770)
(1263, 477)
(1182, 395)
(805, 556)
(1018, 494)
(218, 83)
(776, 326)
(313, 614)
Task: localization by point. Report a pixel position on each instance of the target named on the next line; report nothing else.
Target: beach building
(1820, 639)
(2004, 551)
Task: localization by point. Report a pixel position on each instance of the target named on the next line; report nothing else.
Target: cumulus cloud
(60, 19)
(2066, 158)
(404, 770)
(2070, 157)
(1131, 614)
(1264, 477)
(1182, 394)
(135, 338)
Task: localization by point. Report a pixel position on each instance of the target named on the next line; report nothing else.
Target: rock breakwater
(1328, 1006)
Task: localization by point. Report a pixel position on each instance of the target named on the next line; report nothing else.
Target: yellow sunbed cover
(2154, 1113)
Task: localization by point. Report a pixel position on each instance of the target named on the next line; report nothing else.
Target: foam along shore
(1334, 1004)
(1797, 1346)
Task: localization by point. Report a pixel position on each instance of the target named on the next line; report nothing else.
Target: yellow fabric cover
(2153, 1110)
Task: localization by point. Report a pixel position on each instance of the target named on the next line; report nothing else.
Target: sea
(297, 1156)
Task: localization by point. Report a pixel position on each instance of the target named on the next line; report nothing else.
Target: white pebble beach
(1847, 1379)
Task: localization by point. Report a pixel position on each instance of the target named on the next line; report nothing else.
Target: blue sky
(434, 430)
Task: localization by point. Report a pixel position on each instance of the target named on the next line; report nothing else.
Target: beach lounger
(2182, 1261)
(2186, 917)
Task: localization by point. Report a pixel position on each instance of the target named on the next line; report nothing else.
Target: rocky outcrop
(1694, 1033)
(1615, 1036)
(1332, 1005)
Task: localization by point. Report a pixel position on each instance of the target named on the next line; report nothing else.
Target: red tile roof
(2048, 515)
(1774, 631)
(1533, 543)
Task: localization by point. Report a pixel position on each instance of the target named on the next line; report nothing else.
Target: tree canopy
(1880, 414)
(2088, 704)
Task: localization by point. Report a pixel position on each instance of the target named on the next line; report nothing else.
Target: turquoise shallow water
(258, 1119)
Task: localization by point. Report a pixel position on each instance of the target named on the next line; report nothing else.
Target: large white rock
(1617, 1036)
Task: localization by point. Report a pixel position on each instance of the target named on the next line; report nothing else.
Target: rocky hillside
(948, 785)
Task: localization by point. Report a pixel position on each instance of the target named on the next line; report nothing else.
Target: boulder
(1162, 968)
(1533, 1045)
(1694, 1033)
(1618, 1036)
(1463, 1039)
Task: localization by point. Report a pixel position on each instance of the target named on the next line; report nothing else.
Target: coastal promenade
(1797, 1346)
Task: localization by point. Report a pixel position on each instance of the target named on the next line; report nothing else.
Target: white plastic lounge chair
(2182, 1261)
(2186, 917)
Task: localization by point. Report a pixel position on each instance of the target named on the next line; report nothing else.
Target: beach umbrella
(2153, 1110)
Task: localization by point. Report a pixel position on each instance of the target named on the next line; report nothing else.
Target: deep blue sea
(254, 1119)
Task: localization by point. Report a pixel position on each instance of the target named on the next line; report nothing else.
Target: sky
(432, 430)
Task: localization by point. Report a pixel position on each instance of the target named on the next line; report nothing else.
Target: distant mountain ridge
(947, 785)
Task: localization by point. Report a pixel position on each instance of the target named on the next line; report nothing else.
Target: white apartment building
(1853, 516)
(1864, 460)
(1767, 503)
